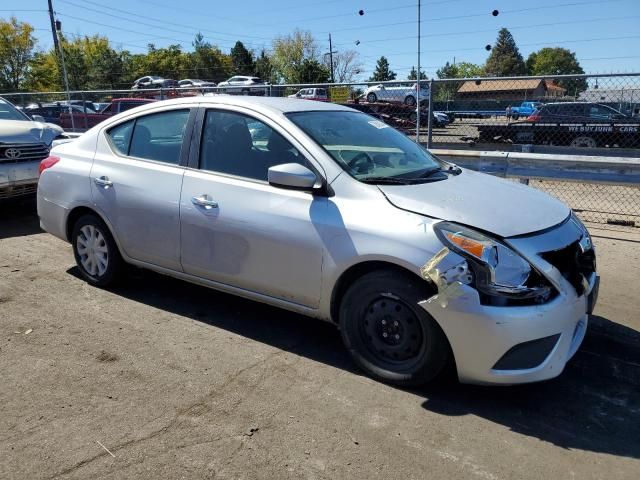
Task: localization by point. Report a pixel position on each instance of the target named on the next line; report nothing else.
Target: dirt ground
(178, 381)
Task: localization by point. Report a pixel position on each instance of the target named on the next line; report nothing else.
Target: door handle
(205, 201)
(103, 181)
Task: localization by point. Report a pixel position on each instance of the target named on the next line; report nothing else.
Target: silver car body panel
(387, 93)
(290, 248)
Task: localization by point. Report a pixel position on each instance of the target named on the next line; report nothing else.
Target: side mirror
(38, 118)
(291, 175)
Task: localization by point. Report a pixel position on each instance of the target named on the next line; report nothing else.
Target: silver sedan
(328, 212)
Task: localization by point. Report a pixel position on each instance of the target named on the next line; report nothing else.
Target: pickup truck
(84, 121)
(524, 110)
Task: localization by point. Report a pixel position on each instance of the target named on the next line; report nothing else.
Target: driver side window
(236, 144)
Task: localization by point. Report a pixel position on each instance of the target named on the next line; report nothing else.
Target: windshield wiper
(387, 180)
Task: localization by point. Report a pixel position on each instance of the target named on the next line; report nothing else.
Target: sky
(604, 34)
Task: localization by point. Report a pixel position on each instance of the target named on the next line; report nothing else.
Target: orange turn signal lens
(467, 244)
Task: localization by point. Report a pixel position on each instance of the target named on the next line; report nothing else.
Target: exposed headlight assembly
(497, 269)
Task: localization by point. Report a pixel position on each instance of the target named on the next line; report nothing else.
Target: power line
(491, 30)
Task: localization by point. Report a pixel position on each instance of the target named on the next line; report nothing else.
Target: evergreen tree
(242, 60)
(413, 74)
(382, 72)
(505, 59)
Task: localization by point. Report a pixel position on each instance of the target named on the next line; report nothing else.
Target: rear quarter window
(120, 137)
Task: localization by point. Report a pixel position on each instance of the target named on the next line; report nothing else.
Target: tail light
(534, 118)
(48, 162)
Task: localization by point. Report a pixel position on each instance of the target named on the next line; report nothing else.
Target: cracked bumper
(480, 335)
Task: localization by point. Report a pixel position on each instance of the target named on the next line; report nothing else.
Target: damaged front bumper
(512, 344)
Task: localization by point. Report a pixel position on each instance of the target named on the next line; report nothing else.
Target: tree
(446, 91)
(505, 58)
(382, 72)
(346, 65)
(413, 74)
(16, 51)
(289, 53)
(312, 71)
(557, 61)
(209, 62)
(242, 60)
(263, 67)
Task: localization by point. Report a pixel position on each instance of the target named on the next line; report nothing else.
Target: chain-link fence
(575, 114)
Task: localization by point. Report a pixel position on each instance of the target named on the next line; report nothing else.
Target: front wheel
(388, 334)
(372, 98)
(410, 100)
(95, 251)
(515, 116)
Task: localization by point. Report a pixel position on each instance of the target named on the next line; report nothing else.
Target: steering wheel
(361, 163)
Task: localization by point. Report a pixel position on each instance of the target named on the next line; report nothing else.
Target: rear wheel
(410, 100)
(95, 251)
(515, 116)
(586, 142)
(388, 334)
(372, 98)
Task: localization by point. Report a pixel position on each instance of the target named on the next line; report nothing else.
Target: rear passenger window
(159, 136)
(120, 136)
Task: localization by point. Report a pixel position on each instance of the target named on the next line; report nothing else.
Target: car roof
(136, 99)
(262, 104)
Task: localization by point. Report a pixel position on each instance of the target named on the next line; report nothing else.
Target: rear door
(136, 179)
(239, 230)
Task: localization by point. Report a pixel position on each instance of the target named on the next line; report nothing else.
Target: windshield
(9, 112)
(366, 147)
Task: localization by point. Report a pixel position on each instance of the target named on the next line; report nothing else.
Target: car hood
(498, 206)
(24, 131)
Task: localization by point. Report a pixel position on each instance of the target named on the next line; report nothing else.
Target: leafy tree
(557, 61)
(16, 51)
(242, 60)
(446, 91)
(382, 71)
(505, 58)
(289, 53)
(346, 65)
(263, 67)
(209, 62)
(413, 74)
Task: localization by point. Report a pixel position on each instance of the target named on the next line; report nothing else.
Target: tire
(515, 116)
(413, 117)
(388, 334)
(583, 141)
(95, 251)
(372, 98)
(245, 92)
(410, 100)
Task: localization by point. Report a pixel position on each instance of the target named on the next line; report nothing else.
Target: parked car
(243, 85)
(51, 111)
(396, 94)
(317, 94)
(82, 120)
(188, 82)
(583, 112)
(336, 216)
(24, 142)
(152, 81)
(523, 110)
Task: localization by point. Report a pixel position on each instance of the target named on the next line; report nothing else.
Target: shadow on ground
(594, 405)
(18, 218)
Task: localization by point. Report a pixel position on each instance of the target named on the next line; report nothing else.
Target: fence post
(429, 122)
(84, 109)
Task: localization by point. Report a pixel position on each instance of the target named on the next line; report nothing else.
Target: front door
(239, 230)
(136, 179)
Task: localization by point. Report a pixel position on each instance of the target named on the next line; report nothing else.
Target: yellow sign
(339, 94)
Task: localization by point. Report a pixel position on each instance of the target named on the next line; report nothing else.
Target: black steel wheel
(387, 333)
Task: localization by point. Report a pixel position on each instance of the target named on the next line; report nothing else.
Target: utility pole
(333, 80)
(53, 28)
(418, 91)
